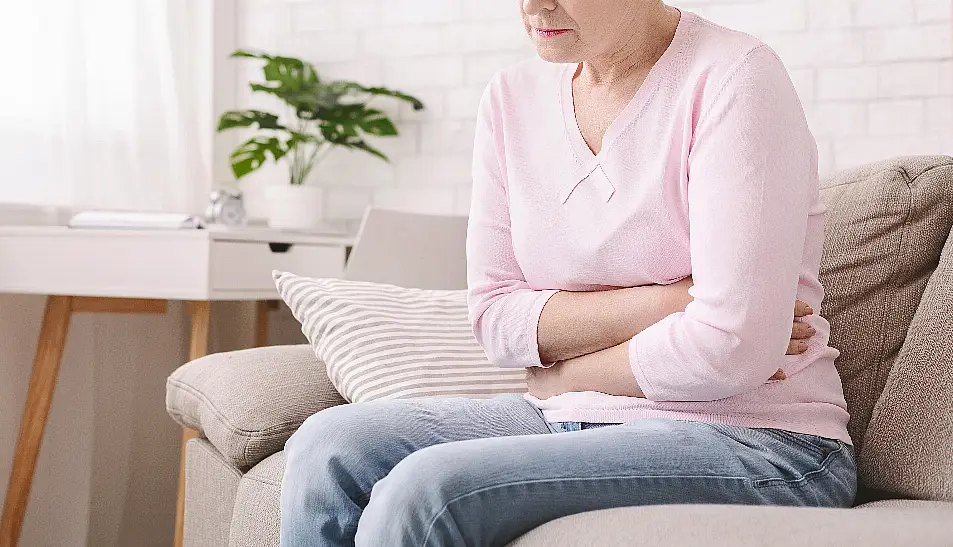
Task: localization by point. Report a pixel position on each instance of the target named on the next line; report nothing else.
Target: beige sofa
(888, 270)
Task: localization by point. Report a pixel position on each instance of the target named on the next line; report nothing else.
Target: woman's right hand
(801, 332)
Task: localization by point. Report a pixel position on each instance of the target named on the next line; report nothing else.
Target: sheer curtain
(106, 103)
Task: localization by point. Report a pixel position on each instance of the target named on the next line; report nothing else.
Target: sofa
(887, 266)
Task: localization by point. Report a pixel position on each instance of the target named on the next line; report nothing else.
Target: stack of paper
(127, 220)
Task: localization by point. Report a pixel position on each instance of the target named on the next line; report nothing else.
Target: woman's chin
(554, 55)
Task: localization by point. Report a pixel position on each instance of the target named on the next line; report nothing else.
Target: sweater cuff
(636, 362)
(535, 311)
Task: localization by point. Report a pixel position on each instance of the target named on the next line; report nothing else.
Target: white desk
(138, 271)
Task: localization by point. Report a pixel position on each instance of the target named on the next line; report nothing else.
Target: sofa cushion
(907, 504)
(746, 526)
(908, 449)
(386, 342)
(257, 517)
(247, 403)
(886, 226)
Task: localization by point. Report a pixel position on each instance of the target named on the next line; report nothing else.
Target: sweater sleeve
(503, 309)
(752, 179)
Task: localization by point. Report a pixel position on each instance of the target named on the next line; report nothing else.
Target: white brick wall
(875, 77)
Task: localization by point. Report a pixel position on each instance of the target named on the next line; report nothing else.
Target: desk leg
(198, 347)
(262, 307)
(46, 364)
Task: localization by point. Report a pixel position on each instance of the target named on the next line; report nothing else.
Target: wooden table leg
(198, 347)
(262, 307)
(46, 363)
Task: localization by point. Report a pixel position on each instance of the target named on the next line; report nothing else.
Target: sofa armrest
(247, 403)
(913, 523)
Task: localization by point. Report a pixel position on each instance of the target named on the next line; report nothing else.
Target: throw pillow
(386, 342)
(908, 449)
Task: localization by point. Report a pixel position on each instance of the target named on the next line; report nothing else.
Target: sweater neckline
(587, 160)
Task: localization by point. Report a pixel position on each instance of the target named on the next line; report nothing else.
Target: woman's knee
(346, 439)
(326, 432)
(429, 477)
(328, 459)
(405, 505)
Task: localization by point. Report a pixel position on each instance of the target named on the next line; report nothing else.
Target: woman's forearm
(606, 371)
(573, 324)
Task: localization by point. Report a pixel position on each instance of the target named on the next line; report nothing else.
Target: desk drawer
(247, 265)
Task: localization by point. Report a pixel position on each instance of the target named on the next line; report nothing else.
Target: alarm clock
(226, 207)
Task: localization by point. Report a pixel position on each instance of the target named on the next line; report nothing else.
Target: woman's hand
(801, 332)
(544, 383)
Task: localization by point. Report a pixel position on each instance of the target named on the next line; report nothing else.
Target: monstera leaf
(349, 119)
(253, 153)
(285, 77)
(383, 92)
(248, 118)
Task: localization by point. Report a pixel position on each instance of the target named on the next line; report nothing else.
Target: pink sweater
(710, 171)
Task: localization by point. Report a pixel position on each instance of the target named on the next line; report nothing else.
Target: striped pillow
(386, 342)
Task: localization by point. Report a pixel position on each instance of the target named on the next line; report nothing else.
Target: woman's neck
(643, 46)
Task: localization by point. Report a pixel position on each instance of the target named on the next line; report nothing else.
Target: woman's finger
(802, 331)
(796, 347)
(802, 309)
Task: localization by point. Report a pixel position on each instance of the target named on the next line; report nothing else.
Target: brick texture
(875, 78)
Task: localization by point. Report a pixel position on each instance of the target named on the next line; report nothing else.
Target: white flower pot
(294, 207)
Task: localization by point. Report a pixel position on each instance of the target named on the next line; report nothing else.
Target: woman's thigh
(489, 491)
(365, 440)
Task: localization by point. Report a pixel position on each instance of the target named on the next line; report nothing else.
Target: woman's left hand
(544, 383)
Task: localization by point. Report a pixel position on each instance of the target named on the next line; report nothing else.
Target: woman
(645, 214)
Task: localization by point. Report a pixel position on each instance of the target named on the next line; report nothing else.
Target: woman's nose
(533, 7)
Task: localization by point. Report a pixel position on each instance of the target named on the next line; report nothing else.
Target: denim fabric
(482, 472)
(567, 427)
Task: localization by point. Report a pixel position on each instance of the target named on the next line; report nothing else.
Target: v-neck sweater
(709, 171)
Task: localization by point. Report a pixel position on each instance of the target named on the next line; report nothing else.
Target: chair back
(410, 250)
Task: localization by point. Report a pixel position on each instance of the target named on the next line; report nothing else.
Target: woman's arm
(575, 324)
(606, 371)
(752, 185)
(609, 371)
(503, 308)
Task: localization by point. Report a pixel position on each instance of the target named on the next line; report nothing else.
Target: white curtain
(106, 103)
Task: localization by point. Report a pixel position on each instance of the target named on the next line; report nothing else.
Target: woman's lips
(551, 33)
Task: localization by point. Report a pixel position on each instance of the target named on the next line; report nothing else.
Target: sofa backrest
(887, 225)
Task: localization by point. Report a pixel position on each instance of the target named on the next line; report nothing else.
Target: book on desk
(135, 220)
(123, 220)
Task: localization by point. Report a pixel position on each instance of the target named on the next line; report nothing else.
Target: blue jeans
(483, 472)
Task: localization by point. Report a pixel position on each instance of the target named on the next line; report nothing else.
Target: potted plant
(326, 115)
